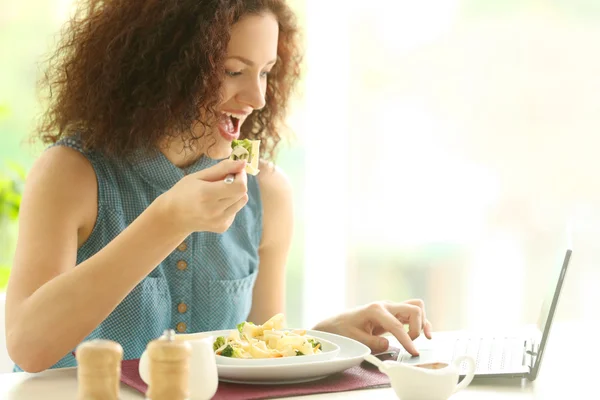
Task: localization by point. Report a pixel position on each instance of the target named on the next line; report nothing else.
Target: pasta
(266, 341)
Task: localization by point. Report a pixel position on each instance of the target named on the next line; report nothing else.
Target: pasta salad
(269, 340)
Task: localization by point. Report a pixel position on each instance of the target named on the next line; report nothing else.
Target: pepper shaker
(98, 369)
(169, 365)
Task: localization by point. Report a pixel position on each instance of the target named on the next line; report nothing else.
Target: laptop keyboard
(490, 354)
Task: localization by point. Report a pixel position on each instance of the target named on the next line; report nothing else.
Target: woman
(127, 227)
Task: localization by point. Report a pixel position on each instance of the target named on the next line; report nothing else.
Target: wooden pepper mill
(169, 364)
(99, 370)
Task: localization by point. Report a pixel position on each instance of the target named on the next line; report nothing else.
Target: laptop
(507, 354)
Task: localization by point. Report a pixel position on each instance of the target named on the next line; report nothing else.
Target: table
(569, 364)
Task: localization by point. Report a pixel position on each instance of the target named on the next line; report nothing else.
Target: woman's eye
(233, 74)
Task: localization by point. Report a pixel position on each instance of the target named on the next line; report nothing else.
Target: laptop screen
(550, 304)
(554, 286)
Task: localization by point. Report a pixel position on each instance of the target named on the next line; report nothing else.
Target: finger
(415, 322)
(391, 324)
(419, 303)
(229, 193)
(229, 202)
(377, 344)
(243, 175)
(236, 207)
(219, 171)
(407, 314)
(427, 329)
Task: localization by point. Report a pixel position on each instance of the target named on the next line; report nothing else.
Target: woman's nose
(254, 95)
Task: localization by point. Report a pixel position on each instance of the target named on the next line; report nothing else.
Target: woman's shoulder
(277, 204)
(273, 182)
(63, 168)
(61, 186)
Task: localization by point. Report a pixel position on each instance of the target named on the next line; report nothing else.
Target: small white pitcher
(433, 381)
(204, 379)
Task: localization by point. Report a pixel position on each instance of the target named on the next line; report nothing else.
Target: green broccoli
(315, 343)
(246, 144)
(233, 352)
(240, 326)
(220, 341)
(227, 351)
(299, 353)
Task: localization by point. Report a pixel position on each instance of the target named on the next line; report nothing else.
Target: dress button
(181, 327)
(181, 265)
(182, 307)
(182, 246)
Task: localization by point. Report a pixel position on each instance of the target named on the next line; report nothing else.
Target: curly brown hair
(127, 73)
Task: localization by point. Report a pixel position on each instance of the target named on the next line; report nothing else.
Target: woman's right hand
(203, 202)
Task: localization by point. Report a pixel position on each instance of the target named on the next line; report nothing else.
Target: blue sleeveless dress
(205, 284)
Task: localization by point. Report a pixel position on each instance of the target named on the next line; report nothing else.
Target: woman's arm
(52, 306)
(269, 291)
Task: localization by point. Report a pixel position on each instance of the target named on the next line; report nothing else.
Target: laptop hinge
(531, 353)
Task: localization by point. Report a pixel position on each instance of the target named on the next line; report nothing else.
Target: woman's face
(251, 54)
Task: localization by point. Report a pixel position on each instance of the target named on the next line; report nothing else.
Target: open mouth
(235, 122)
(229, 125)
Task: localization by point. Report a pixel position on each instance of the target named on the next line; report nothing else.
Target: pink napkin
(362, 376)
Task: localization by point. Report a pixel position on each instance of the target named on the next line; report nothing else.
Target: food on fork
(268, 340)
(248, 150)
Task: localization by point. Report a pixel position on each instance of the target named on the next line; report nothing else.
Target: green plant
(11, 190)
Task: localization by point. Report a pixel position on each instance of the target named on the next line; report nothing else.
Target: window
(448, 145)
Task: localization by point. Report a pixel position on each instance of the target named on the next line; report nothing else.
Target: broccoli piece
(246, 144)
(220, 341)
(299, 353)
(315, 343)
(233, 352)
(227, 351)
(240, 326)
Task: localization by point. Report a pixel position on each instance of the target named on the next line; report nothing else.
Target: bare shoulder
(273, 181)
(65, 158)
(63, 171)
(63, 182)
(277, 202)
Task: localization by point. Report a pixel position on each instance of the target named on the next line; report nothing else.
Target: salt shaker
(98, 369)
(169, 364)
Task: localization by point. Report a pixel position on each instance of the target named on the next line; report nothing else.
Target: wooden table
(570, 363)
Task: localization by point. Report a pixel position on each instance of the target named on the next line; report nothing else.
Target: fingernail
(383, 344)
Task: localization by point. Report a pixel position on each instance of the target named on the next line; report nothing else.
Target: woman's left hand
(365, 324)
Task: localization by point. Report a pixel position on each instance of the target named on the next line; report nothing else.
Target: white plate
(351, 354)
(330, 350)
